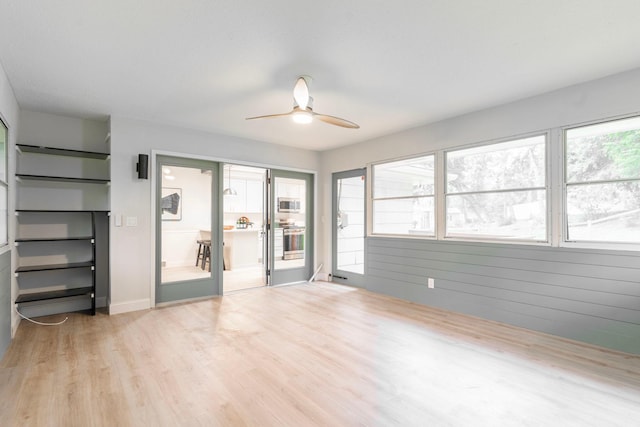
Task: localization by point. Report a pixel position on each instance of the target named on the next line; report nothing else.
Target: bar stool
(204, 253)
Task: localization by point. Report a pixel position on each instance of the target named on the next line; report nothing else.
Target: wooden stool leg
(199, 256)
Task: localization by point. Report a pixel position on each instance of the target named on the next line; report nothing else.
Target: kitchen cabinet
(242, 248)
(249, 198)
(278, 243)
(255, 196)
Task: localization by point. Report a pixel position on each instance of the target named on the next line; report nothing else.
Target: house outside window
(403, 201)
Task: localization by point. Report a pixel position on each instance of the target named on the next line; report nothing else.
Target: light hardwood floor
(319, 354)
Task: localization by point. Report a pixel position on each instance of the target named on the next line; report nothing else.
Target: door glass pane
(244, 230)
(289, 223)
(186, 223)
(350, 217)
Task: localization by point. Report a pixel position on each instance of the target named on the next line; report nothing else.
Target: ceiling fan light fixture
(302, 111)
(302, 117)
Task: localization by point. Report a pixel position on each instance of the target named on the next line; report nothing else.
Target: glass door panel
(349, 226)
(292, 226)
(244, 189)
(187, 252)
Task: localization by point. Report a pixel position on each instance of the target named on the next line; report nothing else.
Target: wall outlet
(431, 283)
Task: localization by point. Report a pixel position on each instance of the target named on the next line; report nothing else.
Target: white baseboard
(322, 277)
(126, 307)
(15, 322)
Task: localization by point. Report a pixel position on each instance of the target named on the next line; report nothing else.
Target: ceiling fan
(302, 111)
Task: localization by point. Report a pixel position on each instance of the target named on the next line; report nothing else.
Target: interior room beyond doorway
(244, 204)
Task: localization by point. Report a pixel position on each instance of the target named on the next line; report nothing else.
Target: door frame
(341, 276)
(301, 274)
(197, 288)
(151, 302)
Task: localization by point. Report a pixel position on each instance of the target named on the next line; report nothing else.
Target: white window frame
(556, 194)
(563, 237)
(4, 183)
(547, 188)
(370, 183)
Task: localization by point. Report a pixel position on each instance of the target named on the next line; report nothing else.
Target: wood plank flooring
(309, 355)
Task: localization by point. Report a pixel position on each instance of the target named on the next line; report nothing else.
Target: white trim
(567, 127)
(371, 199)
(227, 160)
(126, 307)
(504, 240)
(556, 207)
(440, 216)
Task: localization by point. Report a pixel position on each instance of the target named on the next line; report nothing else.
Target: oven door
(293, 243)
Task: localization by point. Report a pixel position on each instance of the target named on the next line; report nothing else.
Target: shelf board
(47, 295)
(62, 179)
(52, 239)
(48, 267)
(62, 152)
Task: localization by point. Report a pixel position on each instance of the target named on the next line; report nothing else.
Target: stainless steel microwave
(287, 204)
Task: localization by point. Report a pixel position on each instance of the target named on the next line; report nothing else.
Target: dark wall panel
(5, 301)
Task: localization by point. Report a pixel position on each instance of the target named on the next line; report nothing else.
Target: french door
(290, 230)
(348, 227)
(188, 245)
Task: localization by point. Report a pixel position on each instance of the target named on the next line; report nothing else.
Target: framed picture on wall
(171, 204)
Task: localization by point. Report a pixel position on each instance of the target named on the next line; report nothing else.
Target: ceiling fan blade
(270, 116)
(301, 93)
(332, 120)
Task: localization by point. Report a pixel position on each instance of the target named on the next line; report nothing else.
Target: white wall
(9, 111)
(132, 248)
(599, 99)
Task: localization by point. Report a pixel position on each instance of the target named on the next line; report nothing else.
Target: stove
(293, 241)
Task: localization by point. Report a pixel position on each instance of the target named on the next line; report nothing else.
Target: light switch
(132, 221)
(118, 220)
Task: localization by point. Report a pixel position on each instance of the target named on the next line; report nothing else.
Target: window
(602, 182)
(498, 191)
(4, 142)
(403, 197)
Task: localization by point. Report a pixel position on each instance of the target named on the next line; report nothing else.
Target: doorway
(290, 235)
(224, 227)
(187, 258)
(348, 226)
(244, 230)
(268, 227)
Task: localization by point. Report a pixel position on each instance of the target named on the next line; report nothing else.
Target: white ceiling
(388, 66)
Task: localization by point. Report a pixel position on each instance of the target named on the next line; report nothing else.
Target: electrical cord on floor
(40, 323)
